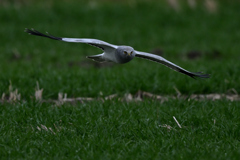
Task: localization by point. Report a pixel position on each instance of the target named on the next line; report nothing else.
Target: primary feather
(169, 64)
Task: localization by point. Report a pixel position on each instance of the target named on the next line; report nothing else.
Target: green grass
(115, 129)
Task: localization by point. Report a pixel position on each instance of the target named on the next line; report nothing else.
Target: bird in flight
(119, 54)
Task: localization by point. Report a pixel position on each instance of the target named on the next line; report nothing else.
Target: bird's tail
(97, 58)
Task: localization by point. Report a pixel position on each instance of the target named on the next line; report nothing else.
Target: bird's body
(119, 54)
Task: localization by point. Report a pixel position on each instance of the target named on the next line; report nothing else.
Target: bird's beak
(130, 53)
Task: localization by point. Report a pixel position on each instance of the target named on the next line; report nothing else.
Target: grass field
(196, 39)
(113, 130)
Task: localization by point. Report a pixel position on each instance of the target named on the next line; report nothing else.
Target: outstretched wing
(169, 64)
(94, 42)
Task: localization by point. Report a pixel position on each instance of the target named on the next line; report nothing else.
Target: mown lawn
(113, 130)
(195, 39)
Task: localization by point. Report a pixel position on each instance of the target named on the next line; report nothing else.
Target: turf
(113, 130)
(195, 39)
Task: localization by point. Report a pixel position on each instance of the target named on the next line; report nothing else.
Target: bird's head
(124, 54)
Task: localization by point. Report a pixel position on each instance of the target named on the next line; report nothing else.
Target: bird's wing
(169, 64)
(94, 42)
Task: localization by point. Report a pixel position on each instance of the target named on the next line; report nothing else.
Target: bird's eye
(131, 52)
(125, 52)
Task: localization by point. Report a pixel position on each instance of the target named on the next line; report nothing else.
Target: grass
(115, 129)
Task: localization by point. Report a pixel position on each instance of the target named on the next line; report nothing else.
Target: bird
(119, 53)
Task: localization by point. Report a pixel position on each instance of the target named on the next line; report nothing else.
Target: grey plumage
(124, 54)
(119, 54)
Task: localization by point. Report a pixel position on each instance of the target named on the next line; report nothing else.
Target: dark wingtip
(28, 31)
(36, 33)
(199, 75)
(195, 75)
(31, 31)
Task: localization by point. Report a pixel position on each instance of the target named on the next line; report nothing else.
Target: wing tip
(36, 33)
(199, 75)
(195, 75)
(29, 31)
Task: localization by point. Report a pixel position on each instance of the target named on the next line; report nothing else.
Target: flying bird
(119, 54)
